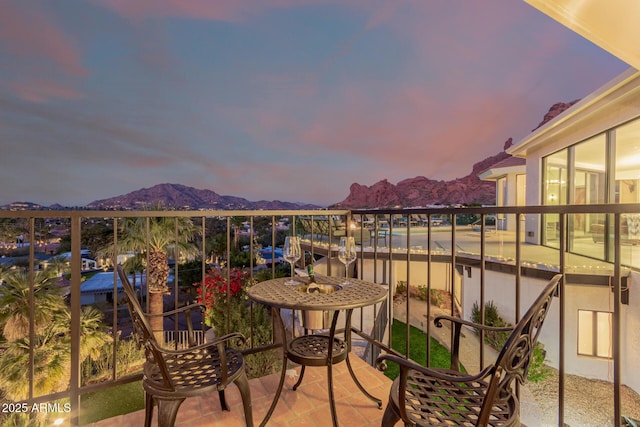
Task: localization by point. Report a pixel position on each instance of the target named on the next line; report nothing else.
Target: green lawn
(440, 356)
(111, 402)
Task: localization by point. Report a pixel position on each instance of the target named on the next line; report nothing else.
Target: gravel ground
(587, 402)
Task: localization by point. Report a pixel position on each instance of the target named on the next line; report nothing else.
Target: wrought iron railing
(458, 250)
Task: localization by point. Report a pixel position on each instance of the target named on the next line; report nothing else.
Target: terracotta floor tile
(306, 407)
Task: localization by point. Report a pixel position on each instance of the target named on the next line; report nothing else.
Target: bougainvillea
(214, 292)
(216, 285)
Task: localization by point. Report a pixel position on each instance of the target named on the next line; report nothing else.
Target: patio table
(321, 348)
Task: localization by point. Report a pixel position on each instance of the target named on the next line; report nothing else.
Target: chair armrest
(407, 364)
(438, 322)
(187, 314)
(457, 329)
(178, 310)
(240, 339)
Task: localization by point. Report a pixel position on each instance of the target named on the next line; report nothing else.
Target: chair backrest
(143, 331)
(514, 358)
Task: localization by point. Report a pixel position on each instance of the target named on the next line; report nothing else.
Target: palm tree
(51, 341)
(159, 236)
(93, 335)
(52, 354)
(51, 357)
(134, 265)
(236, 226)
(14, 302)
(59, 264)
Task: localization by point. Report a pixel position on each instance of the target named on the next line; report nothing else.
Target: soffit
(609, 106)
(612, 25)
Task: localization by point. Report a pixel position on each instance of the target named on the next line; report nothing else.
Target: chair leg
(167, 411)
(245, 393)
(297, 384)
(148, 409)
(223, 401)
(390, 418)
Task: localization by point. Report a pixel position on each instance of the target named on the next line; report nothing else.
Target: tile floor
(306, 407)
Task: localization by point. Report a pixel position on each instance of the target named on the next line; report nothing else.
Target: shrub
(436, 298)
(422, 292)
(401, 288)
(491, 318)
(537, 370)
(129, 359)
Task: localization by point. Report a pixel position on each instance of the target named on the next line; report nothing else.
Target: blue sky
(272, 99)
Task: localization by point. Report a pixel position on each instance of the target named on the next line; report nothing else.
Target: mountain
(555, 110)
(176, 196)
(422, 191)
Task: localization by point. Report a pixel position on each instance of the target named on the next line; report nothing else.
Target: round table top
(276, 293)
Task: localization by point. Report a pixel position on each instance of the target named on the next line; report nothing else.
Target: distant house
(510, 178)
(100, 288)
(87, 263)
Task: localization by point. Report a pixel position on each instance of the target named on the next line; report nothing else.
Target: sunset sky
(272, 99)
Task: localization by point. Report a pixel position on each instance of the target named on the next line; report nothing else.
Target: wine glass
(292, 253)
(347, 254)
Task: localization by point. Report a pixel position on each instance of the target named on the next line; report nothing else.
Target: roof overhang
(492, 174)
(612, 25)
(608, 106)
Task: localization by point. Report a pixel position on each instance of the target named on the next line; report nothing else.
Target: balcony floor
(308, 406)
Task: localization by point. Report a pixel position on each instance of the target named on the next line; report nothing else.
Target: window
(555, 184)
(555, 193)
(627, 155)
(602, 169)
(501, 196)
(594, 333)
(589, 182)
(521, 190)
(501, 191)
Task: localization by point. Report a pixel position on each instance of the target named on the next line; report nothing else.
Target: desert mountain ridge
(177, 196)
(172, 196)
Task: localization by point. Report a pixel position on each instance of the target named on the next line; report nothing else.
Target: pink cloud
(41, 91)
(439, 139)
(140, 161)
(218, 10)
(28, 32)
(224, 10)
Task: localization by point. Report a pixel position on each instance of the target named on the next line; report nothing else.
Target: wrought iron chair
(172, 375)
(423, 396)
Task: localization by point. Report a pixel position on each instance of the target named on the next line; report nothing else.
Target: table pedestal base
(316, 350)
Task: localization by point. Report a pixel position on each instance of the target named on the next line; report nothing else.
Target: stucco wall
(500, 288)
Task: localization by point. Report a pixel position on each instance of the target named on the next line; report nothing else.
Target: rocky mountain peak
(422, 191)
(555, 110)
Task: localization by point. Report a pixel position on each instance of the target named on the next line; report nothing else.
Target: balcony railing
(461, 252)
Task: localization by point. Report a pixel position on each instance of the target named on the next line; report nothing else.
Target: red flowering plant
(222, 287)
(229, 310)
